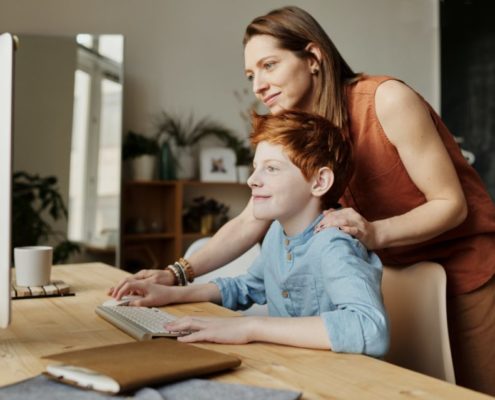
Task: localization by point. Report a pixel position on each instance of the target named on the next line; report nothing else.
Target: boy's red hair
(311, 142)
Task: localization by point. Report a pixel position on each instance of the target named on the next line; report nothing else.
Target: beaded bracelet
(175, 273)
(182, 274)
(186, 265)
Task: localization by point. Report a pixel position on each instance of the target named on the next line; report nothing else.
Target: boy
(327, 281)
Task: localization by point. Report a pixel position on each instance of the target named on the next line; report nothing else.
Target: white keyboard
(142, 323)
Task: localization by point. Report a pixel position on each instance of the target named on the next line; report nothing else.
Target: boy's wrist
(253, 328)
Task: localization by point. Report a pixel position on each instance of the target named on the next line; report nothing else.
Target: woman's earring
(315, 71)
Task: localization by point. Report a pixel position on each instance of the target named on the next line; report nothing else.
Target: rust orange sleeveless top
(381, 188)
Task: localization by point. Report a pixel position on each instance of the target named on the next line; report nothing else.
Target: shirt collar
(305, 235)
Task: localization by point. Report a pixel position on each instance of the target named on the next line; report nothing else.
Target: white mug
(33, 265)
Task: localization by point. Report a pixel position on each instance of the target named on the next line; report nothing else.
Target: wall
(44, 77)
(191, 61)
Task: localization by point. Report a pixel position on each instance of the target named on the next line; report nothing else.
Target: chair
(236, 267)
(415, 299)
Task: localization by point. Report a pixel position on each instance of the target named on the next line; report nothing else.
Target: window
(94, 192)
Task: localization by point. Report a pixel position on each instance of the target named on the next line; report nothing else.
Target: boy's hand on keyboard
(231, 330)
(148, 275)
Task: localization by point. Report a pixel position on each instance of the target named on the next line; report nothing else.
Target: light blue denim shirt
(329, 274)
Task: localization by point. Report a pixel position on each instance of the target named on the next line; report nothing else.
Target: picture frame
(217, 164)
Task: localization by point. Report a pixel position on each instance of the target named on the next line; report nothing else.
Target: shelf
(148, 236)
(183, 183)
(162, 203)
(195, 235)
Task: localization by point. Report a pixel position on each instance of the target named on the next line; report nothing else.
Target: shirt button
(286, 241)
(285, 294)
(289, 256)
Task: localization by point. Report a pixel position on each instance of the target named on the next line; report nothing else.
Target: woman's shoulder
(368, 84)
(393, 92)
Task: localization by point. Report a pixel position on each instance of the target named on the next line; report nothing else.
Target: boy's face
(279, 189)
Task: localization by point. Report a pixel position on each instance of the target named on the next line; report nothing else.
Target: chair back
(415, 299)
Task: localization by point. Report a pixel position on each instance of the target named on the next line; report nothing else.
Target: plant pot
(243, 172)
(207, 224)
(143, 167)
(186, 163)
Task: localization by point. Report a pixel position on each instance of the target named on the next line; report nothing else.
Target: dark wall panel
(468, 79)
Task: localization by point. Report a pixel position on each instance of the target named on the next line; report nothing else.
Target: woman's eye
(269, 65)
(250, 77)
(271, 169)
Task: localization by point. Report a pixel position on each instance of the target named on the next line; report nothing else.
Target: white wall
(187, 55)
(44, 77)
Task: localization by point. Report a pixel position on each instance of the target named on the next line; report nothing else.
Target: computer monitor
(7, 47)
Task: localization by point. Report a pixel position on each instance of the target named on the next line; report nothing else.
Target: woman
(412, 198)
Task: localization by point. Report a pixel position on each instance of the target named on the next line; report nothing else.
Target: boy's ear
(322, 182)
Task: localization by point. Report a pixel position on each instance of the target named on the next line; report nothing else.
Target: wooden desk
(45, 326)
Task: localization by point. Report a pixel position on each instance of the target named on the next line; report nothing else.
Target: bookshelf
(152, 230)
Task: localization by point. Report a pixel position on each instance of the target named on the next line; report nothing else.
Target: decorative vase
(167, 168)
(186, 164)
(243, 172)
(143, 167)
(207, 224)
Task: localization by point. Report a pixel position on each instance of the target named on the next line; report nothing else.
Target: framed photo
(217, 164)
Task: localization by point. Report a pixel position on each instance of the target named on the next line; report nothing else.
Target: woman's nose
(260, 85)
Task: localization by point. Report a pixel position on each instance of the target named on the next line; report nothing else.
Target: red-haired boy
(327, 282)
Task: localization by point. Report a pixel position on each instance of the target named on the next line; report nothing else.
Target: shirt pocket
(303, 295)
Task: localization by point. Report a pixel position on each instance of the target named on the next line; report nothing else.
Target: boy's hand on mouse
(231, 330)
(350, 221)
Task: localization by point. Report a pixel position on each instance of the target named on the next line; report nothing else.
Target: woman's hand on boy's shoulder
(351, 222)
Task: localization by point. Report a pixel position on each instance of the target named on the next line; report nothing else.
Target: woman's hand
(230, 330)
(158, 276)
(351, 222)
(152, 294)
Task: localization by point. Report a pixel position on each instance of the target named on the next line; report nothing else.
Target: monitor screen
(6, 111)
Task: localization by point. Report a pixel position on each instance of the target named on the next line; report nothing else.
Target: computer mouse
(124, 301)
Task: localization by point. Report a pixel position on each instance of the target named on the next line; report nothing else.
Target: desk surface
(51, 325)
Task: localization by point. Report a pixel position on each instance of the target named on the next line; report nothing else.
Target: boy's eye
(250, 77)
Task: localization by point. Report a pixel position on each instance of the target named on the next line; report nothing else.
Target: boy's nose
(253, 181)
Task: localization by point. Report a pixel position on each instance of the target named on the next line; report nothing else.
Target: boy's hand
(231, 330)
(152, 294)
(350, 221)
(158, 276)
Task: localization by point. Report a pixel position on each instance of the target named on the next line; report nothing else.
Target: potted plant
(36, 200)
(140, 153)
(179, 135)
(205, 215)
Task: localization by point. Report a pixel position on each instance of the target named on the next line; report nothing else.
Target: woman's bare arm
(232, 240)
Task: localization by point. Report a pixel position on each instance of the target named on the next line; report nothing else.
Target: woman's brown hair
(294, 29)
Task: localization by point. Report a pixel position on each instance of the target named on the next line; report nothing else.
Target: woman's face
(280, 80)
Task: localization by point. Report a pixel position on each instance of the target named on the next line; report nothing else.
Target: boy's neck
(297, 223)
